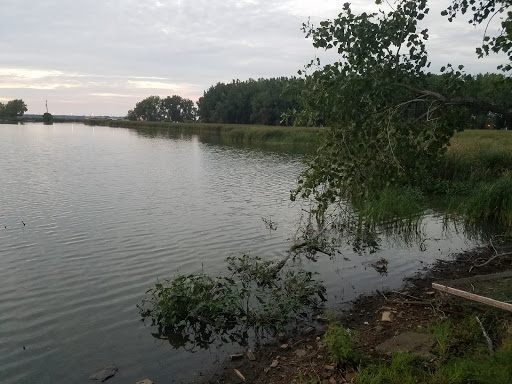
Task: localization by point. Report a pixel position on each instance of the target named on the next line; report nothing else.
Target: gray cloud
(88, 56)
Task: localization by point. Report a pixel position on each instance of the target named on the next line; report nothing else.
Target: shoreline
(303, 358)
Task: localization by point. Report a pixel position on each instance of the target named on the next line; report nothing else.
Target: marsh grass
(491, 202)
(391, 204)
(476, 177)
(228, 133)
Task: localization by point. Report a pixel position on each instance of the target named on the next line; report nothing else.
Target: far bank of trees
(261, 101)
(13, 109)
(267, 101)
(173, 108)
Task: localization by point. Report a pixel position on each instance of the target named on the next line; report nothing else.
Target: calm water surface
(108, 211)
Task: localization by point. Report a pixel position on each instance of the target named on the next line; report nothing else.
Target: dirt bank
(303, 358)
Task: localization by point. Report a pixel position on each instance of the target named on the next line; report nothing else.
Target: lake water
(90, 217)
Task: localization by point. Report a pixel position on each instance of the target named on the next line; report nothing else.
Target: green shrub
(340, 343)
(198, 308)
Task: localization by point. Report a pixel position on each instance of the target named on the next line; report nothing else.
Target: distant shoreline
(233, 133)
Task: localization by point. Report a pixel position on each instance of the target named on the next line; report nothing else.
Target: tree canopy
(261, 101)
(12, 109)
(484, 11)
(173, 108)
(390, 120)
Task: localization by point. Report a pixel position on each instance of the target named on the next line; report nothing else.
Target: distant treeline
(261, 101)
(12, 110)
(491, 88)
(266, 101)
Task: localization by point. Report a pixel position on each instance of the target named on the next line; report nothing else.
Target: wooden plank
(472, 296)
(477, 278)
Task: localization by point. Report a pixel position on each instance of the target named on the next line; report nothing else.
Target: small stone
(266, 370)
(274, 364)
(145, 381)
(387, 316)
(284, 347)
(308, 330)
(250, 355)
(236, 356)
(310, 347)
(332, 380)
(329, 367)
(281, 336)
(301, 352)
(239, 375)
(104, 373)
(350, 376)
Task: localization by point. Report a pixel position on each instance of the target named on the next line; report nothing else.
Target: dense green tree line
(173, 108)
(264, 101)
(12, 109)
(261, 101)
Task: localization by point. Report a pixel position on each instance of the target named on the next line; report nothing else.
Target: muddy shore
(302, 358)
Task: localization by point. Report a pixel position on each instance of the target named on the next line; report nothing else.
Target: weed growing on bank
(340, 343)
(460, 354)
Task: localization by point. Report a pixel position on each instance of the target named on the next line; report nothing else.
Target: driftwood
(491, 259)
(276, 267)
(472, 296)
(496, 255)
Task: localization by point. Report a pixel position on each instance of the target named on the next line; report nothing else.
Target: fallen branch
(490, 260)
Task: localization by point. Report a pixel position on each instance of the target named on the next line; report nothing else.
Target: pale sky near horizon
(99, 57)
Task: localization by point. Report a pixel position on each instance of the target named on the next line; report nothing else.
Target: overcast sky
(102, 56)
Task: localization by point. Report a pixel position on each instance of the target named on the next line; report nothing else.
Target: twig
(487, 338)
(491, 259)
(493, 247)
(406, 294)
(384, 296)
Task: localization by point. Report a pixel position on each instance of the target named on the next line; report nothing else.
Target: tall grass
(392, 203)
(491, 202)
(230, 133)
(478, 155)
(476, 176)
